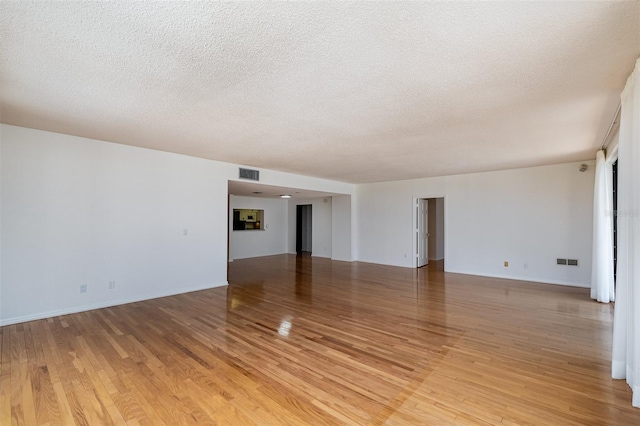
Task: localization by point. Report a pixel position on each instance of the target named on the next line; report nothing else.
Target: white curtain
(602, 288)
(626, 325)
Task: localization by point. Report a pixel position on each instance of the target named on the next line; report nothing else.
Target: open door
(422, 232)
(303, 228)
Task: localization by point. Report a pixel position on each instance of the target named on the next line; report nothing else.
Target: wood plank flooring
(301, 340)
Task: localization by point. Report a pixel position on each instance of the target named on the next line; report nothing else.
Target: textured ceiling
(356, 92)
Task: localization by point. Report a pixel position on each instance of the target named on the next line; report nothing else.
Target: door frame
(414, 224)
(422, 231)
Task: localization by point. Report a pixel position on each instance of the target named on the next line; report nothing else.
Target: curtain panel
(626, 326)
(602, 286)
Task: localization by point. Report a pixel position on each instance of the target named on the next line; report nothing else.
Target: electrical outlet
(112, 285)
(83, 288)
(506, 264)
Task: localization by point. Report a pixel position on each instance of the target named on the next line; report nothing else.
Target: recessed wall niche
(248, 219)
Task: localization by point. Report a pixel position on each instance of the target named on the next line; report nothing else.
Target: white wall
(321, 232)
(530, 216)
(270, 240)
(81, 212)
(78, 211)
(341, 228)
(291, 226)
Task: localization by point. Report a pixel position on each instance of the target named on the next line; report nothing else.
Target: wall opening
(304, 228)
(429, 232)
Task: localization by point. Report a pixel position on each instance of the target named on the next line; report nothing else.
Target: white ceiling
(356, 92)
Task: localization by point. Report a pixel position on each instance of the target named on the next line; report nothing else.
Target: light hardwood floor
(300, 340)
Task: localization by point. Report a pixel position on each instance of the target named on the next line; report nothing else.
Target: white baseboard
(259, 255)
(319, 255)
(337, 259)
(523, 279)
(105, 304)
(480, 274)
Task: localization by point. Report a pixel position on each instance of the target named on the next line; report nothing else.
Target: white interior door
(422, 232)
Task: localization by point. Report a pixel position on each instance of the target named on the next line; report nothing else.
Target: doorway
(422, 232)
(429, 232)
(303, 229)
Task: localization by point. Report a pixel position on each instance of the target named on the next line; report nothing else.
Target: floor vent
(572, 262)
(249, 174)
(561, 261)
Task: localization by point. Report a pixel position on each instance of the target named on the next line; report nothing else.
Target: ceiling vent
(249, 174)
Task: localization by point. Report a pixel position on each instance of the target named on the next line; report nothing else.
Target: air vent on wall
(567, 262)
(249, 174)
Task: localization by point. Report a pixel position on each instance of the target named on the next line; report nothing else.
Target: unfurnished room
(320, 213)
